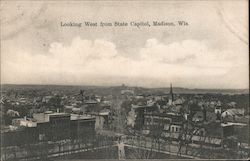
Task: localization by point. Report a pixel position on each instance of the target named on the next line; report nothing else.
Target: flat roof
(80, 117)
(58, 114)
(104, 113)
(142, 106)
(233, 123)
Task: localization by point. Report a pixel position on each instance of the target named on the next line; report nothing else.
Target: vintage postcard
(133, 79)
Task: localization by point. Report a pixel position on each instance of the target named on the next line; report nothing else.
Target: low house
(26, 122)
(233, 115)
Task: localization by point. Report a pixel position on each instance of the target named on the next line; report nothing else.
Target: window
(172, 128)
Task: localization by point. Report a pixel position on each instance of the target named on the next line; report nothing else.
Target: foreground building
(49, 126)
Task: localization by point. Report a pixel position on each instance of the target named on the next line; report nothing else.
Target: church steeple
(171, 92)
(171, 95)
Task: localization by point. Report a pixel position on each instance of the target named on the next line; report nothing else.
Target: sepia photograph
(131, 80)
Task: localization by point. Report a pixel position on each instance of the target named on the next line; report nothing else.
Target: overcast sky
(211, 52)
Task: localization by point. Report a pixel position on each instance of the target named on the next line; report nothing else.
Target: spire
(171, 99)
(171, 92)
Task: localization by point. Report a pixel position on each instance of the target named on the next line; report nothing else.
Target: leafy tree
(55, 103)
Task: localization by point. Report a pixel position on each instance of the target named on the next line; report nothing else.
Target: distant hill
(203, 91)
(116, 89)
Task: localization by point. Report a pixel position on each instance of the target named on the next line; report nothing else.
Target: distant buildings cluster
(53, 116)
(78, 116)
(171, 117)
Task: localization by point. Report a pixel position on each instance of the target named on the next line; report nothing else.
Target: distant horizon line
(125, 86)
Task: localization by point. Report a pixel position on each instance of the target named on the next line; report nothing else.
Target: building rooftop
(141, 106)
(80, 117)
(104, 113)
(45, 117)
(90, 102)
(24, 122)
(232, 123)
(58, 114)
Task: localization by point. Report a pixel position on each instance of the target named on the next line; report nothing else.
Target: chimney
(186, 116)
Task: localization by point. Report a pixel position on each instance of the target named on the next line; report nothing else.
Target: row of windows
(156, 121)
(172, 128)
(175, 129)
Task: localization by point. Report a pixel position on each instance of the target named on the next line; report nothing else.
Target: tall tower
(171, 95)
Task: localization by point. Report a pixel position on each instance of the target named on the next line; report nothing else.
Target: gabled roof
(233, 112)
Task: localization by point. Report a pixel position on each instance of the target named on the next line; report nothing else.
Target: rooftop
(58, 114)
(80, 117)
(233, 123)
